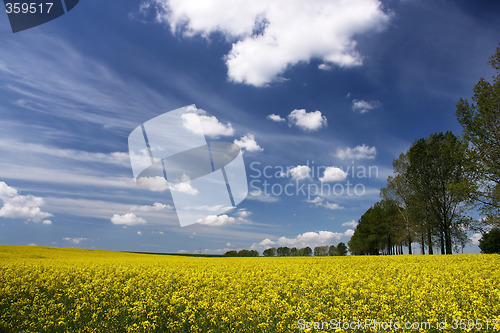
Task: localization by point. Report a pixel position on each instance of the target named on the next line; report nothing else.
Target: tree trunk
(409, 243)
(441, 242)
(422, 244)
(447, 238)
(429, 241)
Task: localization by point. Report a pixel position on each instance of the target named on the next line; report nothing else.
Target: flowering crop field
(73, 290)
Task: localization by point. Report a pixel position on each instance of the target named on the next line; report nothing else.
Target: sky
(318, 95)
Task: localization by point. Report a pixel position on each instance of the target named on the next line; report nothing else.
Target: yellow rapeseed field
(72, 290)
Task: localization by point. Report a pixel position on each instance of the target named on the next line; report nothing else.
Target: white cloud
(139, 233)
(275, 117)
(266, 243)
(127, 219)
(317, 201)
(356, 153)
(361, 106)
(115, 158)
(243, 213)
(325, 67)
(261, 30)
(154, 208)
(215, 220)
(261, 196)
(248, 143)
(184, 186)
(351, 224)
(332, 206)
(333, 174)
(307, 121)
(156, 184)
(211, 126)
(320, 202)
(75, 240)
(349, 232)
(300, 172)
(476, 238)
(21, 206)
(311, 239)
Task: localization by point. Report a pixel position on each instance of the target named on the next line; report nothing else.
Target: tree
(293, 251)
(490, 242)
(399, 191)
(378, 230)
(436, 170)
(332, 250)
(271, 252)
(306, 251)
(232, 253)
(481, 128)
(321, 251)
(341, 249)
(283, 251)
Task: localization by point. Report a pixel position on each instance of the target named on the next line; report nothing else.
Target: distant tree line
(332, 250)
(242, 253)
(438, 181)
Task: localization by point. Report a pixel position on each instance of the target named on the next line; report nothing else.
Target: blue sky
(329, 86)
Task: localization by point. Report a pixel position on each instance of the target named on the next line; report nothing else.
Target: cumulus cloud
(300, 172)
(351, 224)
(349, 232)
(307, 121)
(210, 125)
(311, 239)
(266, 243)
(248, 143)
(320, 202)
(156, 184)
(215, 220)
(275, 117)
(22, 206)
(356, 153)
(184, 186)
(129, 219)
(361, 106)
(243, 213)
(260, 31)
(154, 208)
(476, 238)
(77, 240)
(333, 174)
(324, 67)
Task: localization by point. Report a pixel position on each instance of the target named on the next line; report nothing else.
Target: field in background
(72, 290)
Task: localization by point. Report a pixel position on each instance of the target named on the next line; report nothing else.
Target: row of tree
(284, 251)
(242, 253)
(332, 250)
(438, 181)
